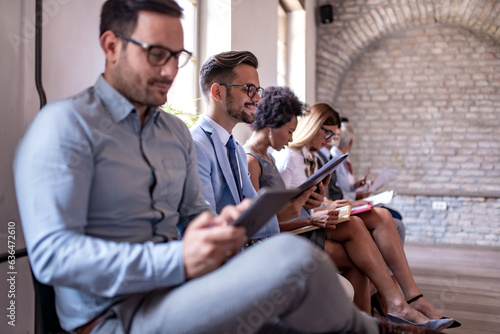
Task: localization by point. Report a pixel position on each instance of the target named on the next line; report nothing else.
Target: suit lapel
(222, 159)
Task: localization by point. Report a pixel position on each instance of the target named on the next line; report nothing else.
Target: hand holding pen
(362, 182)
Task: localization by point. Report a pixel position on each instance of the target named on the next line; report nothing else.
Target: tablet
(263, 207)
(321, 174)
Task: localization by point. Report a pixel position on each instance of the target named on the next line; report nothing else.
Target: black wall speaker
(326, 14)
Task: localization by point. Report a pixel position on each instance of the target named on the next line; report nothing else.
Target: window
(292, 46)
(183, 93)
(282, 46)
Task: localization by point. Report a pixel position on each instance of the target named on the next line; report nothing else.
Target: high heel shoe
(376, 306)
(435, 324)
(454, 323)
(387, 327)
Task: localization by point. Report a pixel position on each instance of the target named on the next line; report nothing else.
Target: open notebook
(344, 215)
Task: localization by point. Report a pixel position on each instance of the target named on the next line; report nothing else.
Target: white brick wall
(424, 98)
(469, 221)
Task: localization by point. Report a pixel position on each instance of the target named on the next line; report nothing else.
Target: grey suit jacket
(219, 187)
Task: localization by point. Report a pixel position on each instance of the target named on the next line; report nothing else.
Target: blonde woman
(298, 161)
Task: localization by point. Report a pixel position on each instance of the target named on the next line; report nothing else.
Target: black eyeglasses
(251, 89)
(160, 55)
(328, 134)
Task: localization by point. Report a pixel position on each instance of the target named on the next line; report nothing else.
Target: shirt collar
(221, 132)
(117, 105)
(335, 151)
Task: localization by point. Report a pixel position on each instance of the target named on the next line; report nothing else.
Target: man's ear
(215, 92)
(111, 45)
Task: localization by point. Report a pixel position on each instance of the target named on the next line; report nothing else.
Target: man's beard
(137, 93)
(239, 114)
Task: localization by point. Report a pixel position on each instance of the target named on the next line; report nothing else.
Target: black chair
(46, 321)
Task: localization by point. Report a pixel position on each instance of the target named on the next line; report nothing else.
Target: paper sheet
(385, 176)
(382, 198)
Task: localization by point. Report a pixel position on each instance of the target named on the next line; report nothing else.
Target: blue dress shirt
(103, 201)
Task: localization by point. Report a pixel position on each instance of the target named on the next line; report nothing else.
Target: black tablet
(321, 174)
(263, 207)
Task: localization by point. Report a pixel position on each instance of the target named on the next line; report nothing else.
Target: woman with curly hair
(273, 131)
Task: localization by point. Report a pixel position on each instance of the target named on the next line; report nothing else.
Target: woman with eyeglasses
(349, 243)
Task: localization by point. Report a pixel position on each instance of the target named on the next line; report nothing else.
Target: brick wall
(466, 221)
(420, 82)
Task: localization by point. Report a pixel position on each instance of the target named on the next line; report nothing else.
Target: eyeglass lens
(328, 134)
(252, 90)
(158, 56)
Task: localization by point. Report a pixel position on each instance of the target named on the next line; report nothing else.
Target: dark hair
(220, 68)
(334, 120)
(120, 16)
(277, 107)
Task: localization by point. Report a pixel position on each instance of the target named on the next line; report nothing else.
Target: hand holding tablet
(263, 207)
(270, 201)
(321, 174)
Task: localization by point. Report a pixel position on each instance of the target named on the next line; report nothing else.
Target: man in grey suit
(230, 86)
(105, 182)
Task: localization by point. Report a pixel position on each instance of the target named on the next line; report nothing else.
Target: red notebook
(361, 208)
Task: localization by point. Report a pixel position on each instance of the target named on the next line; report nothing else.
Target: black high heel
(454, 324)
(434, 324)
(376, 306)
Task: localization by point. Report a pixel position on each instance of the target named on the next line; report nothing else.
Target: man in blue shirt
(106, 184)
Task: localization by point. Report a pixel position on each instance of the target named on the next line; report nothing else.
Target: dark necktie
(349, 166)
(231, 149)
